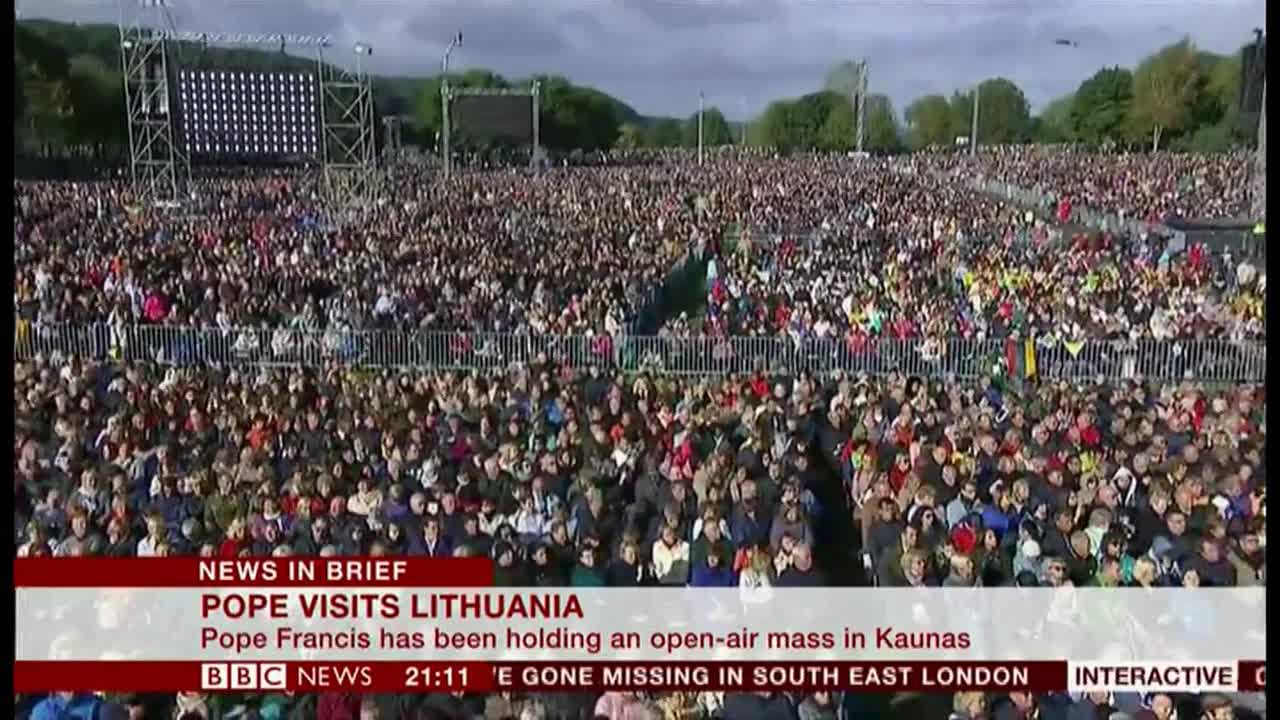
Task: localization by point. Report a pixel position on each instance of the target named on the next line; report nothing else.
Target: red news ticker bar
(256, 572)
(126, 676)
(1252, 676)
(158, 676)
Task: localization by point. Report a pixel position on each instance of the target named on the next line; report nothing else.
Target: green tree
(664, 133)
(1223, 84)
(576, 118)
(1208, 139)
(19, 97)
(715, 129)
(960, 114)
(42, 66)
(771, 129)
(1100, 111)
(1164, 87)
(838, 132)
(630, 137)
(1223, 80)
(807, 115)
(96, 94)
(1053, 124)
(426, 110)
(929, 122)
(1217, 97)
(881, 132)
(1004, 115)
(481, 79)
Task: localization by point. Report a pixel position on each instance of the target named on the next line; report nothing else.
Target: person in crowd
(670, 557)
(714, 572)
(627, 570)
(801, 572)
(586, 573)
(817, 706)
(969, 706)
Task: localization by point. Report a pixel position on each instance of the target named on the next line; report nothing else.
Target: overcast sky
(657, 54)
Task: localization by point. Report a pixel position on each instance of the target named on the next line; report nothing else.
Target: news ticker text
(1038, 676)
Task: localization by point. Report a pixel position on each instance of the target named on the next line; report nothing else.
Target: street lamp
(454, 42)
(445, 154)
(362, 50)
(973, 131)
(702, 106)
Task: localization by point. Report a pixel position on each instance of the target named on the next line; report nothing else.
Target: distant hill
(394, 95)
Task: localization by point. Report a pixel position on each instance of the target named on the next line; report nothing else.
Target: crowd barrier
(1037, 197)
(1206, 360)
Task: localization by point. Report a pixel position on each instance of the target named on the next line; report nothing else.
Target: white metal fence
(1216, 361)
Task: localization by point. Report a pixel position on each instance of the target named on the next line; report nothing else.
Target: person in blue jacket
(715, 572)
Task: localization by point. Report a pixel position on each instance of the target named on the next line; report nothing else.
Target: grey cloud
(657, 54)
(489, 30)
(703, 15)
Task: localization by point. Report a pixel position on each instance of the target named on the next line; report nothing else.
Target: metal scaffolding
(158, 167)
(1259, 189)
(447, 95)
(860, 108)
(347, 143)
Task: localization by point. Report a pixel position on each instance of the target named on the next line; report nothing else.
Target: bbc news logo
(243, 676)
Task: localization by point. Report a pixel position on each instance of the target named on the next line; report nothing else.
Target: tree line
(68, 94)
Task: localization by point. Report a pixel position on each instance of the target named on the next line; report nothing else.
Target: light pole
(973, 131)
(446, 156)
(860, 118)
(702, 104)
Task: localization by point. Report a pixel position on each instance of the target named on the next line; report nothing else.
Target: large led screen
(229, 113)
(494, 117)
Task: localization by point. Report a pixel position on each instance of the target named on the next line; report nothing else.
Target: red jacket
(230, 548)
(155, 308)
(1064, 210)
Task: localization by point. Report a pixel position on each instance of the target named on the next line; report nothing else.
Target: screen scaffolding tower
(158, 168)
(449, 93)
(1259, 189)
(859, 99)
(347, 144)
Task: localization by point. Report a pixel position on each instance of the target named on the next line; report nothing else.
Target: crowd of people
(823, 248)
(576, 254)
(924, 258)
(583, 479)
(583, 476)
(1143, 186)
